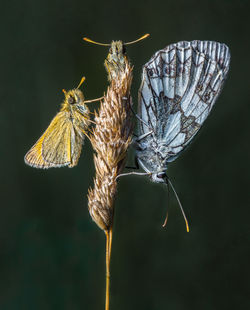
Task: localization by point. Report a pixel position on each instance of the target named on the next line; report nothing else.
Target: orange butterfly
(61, 143)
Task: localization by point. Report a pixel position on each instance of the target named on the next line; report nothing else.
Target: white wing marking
(179, 87)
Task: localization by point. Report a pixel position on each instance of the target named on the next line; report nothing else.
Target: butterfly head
(117, 51)
(74, 101)
(116, 60)
(74, 96)
(159, 177)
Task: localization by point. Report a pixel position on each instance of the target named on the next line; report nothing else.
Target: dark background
(52, 256)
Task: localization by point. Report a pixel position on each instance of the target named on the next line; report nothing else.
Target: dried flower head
(111, 136)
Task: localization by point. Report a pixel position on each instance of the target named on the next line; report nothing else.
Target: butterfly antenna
(141, 38)
(82, 80)
(166, 218)
(177, 198)
(94, 42)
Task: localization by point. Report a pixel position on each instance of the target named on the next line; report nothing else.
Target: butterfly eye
(161, 175)
(71, 100)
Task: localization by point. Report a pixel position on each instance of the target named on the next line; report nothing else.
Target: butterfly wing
(77, 138)
(180, 85)
(60, 145)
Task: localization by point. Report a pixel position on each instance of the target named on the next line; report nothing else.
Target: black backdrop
(51, 253)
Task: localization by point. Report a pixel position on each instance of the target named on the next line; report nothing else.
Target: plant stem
(108, 256)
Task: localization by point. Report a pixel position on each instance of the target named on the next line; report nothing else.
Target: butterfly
(61, 143)
(179, 87)
(117, 60)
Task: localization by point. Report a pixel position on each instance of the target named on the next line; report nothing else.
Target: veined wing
(180, 85)
(60, 145)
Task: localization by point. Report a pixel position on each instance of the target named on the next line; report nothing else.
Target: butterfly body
(61, 143)
(180, 85)
(152, 156)
(76, 111)
(116, 61)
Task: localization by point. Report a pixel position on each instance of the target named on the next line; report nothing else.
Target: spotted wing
(60, 145)
(180, 85)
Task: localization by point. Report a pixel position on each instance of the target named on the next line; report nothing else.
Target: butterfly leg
(136, 142)
(136, 145)
(143, 136)
(85, 133)
(137, 116)
(94, 100)
(132, 173)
